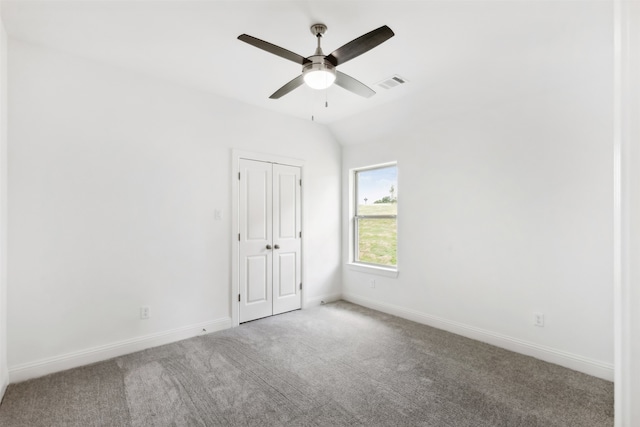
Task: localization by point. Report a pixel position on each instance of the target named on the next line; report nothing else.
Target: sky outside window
(375, 184)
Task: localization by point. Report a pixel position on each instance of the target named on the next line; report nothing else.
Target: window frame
(355, 263)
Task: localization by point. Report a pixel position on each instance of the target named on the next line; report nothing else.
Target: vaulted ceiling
(450, 52)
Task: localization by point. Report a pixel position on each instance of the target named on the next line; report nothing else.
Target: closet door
(286, 238)
(255, 253)
(270, 239)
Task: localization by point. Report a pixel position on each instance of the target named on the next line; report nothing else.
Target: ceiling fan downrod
(318, 30)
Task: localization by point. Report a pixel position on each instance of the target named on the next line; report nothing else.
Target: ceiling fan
(319, 71)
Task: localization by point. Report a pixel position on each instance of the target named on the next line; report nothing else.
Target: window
(375, 216)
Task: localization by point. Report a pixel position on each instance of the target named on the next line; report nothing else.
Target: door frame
(236, 155)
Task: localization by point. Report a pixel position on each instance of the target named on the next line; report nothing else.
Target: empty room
(319, 213)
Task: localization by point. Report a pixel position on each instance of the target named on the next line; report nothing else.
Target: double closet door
(270, 239)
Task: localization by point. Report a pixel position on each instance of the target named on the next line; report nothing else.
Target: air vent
(392, 82)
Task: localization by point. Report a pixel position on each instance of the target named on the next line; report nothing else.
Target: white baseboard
(50, 365)
(4, 382)
(568, 360)
(316, 301)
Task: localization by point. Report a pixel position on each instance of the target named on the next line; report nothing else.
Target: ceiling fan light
(319, 79)
(318, 74)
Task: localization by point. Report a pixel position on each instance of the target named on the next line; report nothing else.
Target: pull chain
(313, 108)
(313, 103)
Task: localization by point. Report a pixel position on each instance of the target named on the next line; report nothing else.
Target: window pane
(377, 191)
(377, 240)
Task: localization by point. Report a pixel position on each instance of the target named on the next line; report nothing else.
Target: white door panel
(257, 279)
(256, 261)
(287, 285)
(286, 237)
(258, 201)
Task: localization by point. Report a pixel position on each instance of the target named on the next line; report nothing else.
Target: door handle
(276, 247)
(268, 246)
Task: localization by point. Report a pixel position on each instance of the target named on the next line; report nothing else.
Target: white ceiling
(485, 50)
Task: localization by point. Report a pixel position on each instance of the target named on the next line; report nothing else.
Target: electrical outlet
(538, 319)
(372, 283)
(144, 312)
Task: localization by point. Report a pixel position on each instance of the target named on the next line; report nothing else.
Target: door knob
(276, 247)
(268, 246)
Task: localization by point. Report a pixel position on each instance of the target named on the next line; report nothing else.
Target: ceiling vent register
(392, 82)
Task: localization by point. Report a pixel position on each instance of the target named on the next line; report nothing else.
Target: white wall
(113, 182)
(4, 373)
(504, 210)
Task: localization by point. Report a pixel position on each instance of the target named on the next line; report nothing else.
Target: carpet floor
(335, 365)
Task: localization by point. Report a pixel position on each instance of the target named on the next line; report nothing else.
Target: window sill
(372, 269)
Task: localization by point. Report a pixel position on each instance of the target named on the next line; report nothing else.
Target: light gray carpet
(335, 365)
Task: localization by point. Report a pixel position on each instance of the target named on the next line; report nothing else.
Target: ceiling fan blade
(360, 45)
(349, 83)
(272, 48)
(293, 84)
